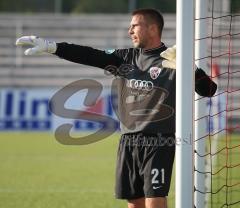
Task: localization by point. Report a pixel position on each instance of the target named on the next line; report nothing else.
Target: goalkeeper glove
(39, 45)
(170, 58)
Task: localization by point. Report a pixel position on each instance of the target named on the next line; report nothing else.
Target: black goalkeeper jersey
(146, 90)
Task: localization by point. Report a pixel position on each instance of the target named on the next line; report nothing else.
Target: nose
(130, 30)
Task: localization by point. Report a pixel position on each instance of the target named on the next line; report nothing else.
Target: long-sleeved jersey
(146, 90)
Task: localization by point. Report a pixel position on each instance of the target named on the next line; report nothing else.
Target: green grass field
(38, 172)
(225, 177)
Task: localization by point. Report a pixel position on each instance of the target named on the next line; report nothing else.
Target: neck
(152, 46)
(153, 42)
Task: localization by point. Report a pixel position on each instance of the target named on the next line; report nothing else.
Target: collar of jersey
(155, 50)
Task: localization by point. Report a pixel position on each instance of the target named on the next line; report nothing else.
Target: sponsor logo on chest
(140, 84)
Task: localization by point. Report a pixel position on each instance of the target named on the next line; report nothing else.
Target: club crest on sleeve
(154, 72)
(109, 51)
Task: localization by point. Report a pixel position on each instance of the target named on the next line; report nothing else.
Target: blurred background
(35, 169)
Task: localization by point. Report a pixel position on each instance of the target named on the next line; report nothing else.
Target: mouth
(134, 39)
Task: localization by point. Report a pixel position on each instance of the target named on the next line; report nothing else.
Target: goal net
(217, 160)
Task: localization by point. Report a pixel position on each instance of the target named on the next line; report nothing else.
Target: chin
(137, 45)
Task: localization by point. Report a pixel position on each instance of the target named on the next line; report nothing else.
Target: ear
(153, 28)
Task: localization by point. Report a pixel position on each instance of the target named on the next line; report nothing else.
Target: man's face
(138, 31)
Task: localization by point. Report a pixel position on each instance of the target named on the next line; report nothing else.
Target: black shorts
(144, 165)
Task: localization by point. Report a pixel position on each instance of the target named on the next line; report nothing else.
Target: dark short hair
(152, 16)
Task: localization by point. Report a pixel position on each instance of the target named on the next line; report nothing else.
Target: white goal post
(184, 104)
(201, 7)
(191, 26)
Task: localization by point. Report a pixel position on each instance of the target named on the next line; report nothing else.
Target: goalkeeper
(146, 104)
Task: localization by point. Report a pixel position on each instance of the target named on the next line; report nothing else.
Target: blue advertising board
(23, 109)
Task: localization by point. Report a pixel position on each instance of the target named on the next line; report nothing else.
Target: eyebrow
(135, 24)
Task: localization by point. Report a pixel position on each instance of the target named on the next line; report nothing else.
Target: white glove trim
(170, 58)
(40, 45)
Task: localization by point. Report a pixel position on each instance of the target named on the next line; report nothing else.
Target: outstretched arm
(87, 55)
(71, 52)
